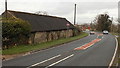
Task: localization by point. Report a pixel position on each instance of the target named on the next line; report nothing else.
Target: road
(93, 50)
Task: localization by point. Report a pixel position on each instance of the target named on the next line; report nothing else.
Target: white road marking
(60, 61)
(44, 61)
(114, 54)
(97, 36)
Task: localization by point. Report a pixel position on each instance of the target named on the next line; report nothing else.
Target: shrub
(15, 31)
(119, 44)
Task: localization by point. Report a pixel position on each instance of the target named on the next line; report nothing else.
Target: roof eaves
(33, 14)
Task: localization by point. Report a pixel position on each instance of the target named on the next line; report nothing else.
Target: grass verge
(118, 38)
(119, 48)
(34, 47)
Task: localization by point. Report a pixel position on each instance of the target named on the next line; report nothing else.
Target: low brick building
(44, 27)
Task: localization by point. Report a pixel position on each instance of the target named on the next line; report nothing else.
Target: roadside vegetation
(14, 32)
(118, 38)
(116, 31)
(40, 46)
(119, 47)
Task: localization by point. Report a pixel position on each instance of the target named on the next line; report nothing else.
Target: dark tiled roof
(43, 22)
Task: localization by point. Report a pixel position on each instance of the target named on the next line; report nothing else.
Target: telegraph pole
(75, 15)
(6, 8)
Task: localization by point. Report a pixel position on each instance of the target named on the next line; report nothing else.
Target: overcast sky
(87, 10)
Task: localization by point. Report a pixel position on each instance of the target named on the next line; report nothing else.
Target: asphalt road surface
(93, 50)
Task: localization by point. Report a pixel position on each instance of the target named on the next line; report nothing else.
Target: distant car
(92, 32)
(105, 32)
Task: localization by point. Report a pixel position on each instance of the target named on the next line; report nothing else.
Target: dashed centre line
(44, 61)
(59, 61)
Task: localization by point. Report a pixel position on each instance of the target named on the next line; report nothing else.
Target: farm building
(44, 27)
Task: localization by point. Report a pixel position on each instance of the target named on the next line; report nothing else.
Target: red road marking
(87, 45)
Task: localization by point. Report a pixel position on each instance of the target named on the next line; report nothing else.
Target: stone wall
(39, 37)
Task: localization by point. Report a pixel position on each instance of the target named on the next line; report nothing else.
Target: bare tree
(114, 28)
(93, 26)
(119, 25)
(41, 13)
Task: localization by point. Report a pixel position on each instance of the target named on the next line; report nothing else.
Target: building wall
(31, 39)
(39, 37)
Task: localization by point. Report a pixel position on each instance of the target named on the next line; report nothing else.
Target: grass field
(26, 48)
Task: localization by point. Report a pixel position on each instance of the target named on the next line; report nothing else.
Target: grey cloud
(65, 8)
(89, 6)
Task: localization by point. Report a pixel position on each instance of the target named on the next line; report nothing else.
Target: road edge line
(114, 54)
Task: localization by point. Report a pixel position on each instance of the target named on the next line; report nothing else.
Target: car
(105, 32)
(92, 33)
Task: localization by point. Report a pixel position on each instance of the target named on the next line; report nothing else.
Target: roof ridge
(33, 14)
